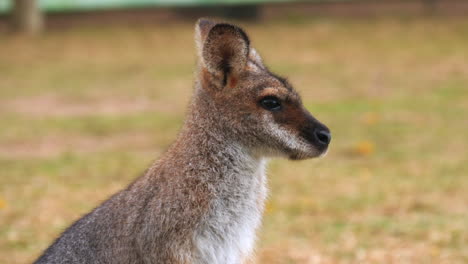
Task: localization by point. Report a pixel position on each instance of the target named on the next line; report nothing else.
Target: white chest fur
(228, 234)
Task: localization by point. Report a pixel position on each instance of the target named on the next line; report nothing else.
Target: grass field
(85, 111)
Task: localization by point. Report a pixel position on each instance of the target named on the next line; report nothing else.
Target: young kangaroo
(203, 200)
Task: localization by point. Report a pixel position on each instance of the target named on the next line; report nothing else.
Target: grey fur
(202, 201)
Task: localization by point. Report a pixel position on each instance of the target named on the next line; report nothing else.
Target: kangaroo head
(254, 106)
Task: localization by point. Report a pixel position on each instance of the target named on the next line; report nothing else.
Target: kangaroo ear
(224, 50)
(202, 28)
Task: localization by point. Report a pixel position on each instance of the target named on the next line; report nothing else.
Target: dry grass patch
(51, 105)
(55, 146)
(83, 112)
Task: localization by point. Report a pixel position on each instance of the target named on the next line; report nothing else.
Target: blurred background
(91, 92)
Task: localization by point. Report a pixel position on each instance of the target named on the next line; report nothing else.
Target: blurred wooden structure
(27, 17)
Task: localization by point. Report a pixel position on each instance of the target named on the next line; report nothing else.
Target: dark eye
(271, 103)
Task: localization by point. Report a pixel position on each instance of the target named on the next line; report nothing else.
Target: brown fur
(202, 201)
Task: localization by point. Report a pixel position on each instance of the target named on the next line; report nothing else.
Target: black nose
(322, 136)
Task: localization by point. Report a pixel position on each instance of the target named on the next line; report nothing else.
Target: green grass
(85, 111)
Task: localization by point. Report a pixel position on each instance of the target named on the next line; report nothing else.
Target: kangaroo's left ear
(223, 48)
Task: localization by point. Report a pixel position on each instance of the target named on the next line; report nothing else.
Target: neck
(218, 181)
(205, 144)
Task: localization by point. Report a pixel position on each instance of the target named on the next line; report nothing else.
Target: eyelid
(273, 92)
(271, 96)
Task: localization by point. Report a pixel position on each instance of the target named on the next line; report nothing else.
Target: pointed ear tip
(204, 22)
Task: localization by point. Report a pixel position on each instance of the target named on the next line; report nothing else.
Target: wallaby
(202, 202)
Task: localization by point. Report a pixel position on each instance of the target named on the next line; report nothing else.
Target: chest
(228, 232)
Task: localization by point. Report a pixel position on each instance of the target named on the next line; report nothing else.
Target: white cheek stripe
(289, 139)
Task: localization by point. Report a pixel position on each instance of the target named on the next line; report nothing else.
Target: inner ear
(225, 51)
